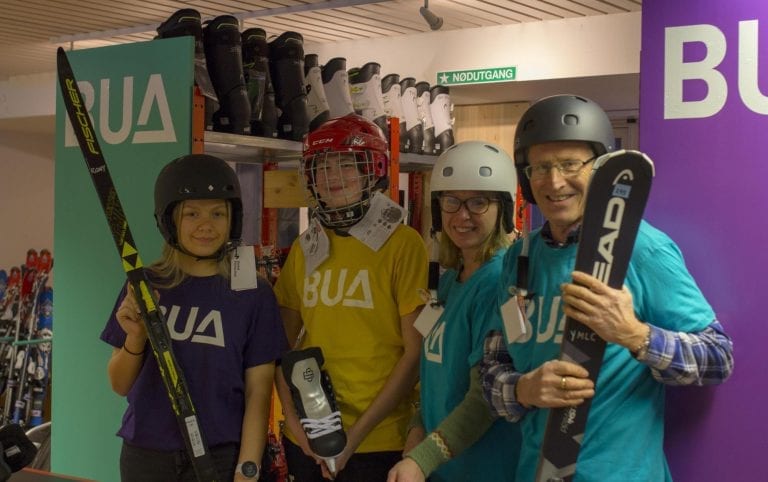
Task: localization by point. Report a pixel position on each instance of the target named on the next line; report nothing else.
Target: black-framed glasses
(475, 205)
(566, 168)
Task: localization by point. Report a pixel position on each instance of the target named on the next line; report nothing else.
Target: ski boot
(414, 131)
(187, 22)
(365, 87)
(318, 110)
(425, 116)
(286, 63)
(393, 105)
(17, 450)
(223, 50)
(440, 107)
(258, 83)
(313, 396)
(336, 86)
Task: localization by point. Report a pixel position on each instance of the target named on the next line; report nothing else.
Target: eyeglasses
(475, 205)
(567, 168)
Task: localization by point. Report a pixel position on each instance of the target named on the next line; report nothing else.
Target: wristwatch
(248, 469)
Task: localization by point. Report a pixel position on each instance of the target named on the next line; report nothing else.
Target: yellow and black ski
(157, 329)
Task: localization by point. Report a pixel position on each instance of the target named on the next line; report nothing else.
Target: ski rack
(35, 341)
(157, 329)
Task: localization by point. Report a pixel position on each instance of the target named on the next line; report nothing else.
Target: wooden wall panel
(488, 122)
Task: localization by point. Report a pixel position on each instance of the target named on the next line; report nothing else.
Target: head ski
(616, 198)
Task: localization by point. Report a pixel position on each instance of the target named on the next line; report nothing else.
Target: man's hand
(608, 312)
(556, 383)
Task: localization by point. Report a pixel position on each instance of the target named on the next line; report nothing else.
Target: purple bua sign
(704, 122)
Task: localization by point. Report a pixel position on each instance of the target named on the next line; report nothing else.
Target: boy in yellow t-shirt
(352, 282)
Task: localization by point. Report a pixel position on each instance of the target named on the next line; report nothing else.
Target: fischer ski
(616, 198)
(157, 329)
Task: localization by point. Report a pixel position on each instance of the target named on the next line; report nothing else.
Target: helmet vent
(448, 172)
(570, 120)
(485, 171)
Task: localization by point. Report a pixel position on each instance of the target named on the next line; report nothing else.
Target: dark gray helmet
(196, 176)
(560, 118)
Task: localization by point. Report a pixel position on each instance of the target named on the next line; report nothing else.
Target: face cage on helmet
(341, 185)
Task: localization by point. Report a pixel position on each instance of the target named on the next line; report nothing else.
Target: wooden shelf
(416, 162)
(251, 149)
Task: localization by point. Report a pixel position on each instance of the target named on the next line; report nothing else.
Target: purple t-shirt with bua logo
(217, 334)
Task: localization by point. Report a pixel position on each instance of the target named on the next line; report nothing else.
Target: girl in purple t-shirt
(225, 341)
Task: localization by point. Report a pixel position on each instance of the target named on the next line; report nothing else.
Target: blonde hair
(167, 272)
(449, 255)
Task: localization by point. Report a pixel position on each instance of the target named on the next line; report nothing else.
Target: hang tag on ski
(431, 312)
(315, 246)
(513, 316)
(379, 222)
(243, 269)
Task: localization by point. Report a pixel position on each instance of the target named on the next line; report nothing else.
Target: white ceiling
(33, 29)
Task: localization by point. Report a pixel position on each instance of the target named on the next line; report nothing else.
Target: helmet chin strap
(220, 254)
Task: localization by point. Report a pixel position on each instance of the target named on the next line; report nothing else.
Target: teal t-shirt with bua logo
(625, 429)
(450, 350)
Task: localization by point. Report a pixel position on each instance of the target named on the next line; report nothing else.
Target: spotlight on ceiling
(433, 20)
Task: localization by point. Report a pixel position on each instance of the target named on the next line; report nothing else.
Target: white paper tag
(243, 269)
(429, 314)
(379, 222)
(513, 316)
(315, 246)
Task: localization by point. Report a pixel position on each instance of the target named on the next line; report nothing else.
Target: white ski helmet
(475, 166)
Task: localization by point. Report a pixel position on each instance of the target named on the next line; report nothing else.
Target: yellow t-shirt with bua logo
(351, 307)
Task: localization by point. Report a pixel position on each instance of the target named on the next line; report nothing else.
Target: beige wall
(26, 195)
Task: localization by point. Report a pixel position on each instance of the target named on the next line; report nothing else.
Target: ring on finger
(563, 385)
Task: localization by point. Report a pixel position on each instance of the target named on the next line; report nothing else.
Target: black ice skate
(313, 396)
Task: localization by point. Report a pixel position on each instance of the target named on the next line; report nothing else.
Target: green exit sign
(477, 76)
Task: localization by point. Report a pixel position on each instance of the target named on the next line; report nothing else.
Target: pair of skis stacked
(25, 333)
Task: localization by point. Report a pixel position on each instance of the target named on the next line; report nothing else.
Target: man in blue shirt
(660, 329)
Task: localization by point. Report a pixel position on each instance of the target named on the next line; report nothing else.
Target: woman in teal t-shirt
(454, 437)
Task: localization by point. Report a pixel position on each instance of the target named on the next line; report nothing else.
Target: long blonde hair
(167, 272)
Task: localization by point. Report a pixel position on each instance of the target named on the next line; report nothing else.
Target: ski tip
(625, 154)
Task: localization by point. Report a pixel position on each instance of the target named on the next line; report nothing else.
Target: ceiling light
(433, 20)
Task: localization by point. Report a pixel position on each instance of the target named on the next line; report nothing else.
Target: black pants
(364, 467)
(144, 465)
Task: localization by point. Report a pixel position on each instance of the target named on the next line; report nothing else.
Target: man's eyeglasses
(475, 205)
(567, 168)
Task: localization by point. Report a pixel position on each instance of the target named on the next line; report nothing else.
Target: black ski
(616, 197)
(157, 329)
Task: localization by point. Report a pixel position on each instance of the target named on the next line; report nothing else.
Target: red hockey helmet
(339, 144)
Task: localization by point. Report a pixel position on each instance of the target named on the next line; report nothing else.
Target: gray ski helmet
(196, 176)
(560, 118)
(475, 166)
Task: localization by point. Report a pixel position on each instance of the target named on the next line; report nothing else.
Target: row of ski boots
(272, 89)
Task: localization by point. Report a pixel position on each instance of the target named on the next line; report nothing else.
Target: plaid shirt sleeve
(499, 378)
(700, 358)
